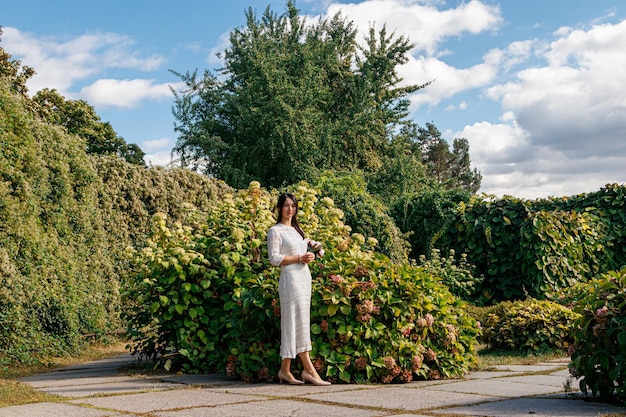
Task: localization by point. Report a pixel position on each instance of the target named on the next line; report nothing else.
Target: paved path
(97, 389)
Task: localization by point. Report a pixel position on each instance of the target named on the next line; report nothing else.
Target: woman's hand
(307, 258)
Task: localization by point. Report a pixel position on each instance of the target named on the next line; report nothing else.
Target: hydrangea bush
(205, 298)
(599, 351)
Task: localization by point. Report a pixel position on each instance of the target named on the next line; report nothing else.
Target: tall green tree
(449, 168)
(294, 99)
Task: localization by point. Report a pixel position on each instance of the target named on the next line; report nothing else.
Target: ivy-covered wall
(535, 248)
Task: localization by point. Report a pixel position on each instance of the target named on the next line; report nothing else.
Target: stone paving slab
(83, 380)
(211, 379)
(402, 398)
(500, 387)
(546, 367)
(167, 400)
(276, 408)
(103, 367)
(536, 407)
(54, 410)
(122, 387)
(547, 380)
(489, 375)
(563, 372)
(282, 390)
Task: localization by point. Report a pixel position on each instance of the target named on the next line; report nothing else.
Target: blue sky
(537, 87)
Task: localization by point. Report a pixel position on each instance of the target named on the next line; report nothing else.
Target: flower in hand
(316, 248)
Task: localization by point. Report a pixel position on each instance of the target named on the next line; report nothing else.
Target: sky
(536, 87)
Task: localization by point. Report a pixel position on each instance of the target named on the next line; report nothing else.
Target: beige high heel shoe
(291, 381)
(315, 381)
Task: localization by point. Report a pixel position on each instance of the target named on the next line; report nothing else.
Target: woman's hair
(294, 220)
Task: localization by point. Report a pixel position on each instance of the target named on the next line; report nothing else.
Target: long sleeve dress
(294, 290)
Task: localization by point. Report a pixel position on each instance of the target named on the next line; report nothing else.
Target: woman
(287, 248)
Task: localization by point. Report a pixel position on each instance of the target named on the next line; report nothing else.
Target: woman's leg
(307, 364)
(285, 366)
(309, 373)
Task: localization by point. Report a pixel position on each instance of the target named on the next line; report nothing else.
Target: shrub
(426, 215)
(599, 350)
(65, 219)
(364, 213)
(529, 325)
(458, 276)
(207, 299)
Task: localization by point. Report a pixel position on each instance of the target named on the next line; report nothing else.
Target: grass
(488, 358)
(13, 392)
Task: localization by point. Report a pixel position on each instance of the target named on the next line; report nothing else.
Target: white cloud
(427, 25)
(61, 62)
(421, 22)
(161, 158)
(574, 104)
(157, 144)
(447, 80)
(126, 93)
(512, 165)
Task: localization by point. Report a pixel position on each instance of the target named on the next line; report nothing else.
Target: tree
(80, 118)
(294, 100)
(450, 169)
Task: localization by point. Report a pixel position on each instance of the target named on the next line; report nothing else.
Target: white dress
(294, 290)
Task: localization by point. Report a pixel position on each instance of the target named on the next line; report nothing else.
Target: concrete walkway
(97, 389)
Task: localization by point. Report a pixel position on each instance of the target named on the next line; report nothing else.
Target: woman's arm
(277, 258)
(273, 248)
(302, 259)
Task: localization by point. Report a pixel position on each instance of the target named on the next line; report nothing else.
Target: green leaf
(332, 309)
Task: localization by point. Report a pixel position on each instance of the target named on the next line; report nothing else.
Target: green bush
(206, 299)
(560, 249)
(599, 351)
(66, 218)
(56, 276)
(364, 213)
(529, 325)
(426, 215)
(458, 276)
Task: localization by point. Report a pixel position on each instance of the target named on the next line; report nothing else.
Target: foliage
(363, 212)
(65, 219)
(528, 325)
(564, 249)
(539, 247)
(458, 276)
(77, 116)
(608, 204)
(207, 299)
(426, 215)
(15, 73)
(598, 356)
(294, 99)
(403, 173)
(57, 281)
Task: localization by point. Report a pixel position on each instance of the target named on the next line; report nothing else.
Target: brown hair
(294, 220)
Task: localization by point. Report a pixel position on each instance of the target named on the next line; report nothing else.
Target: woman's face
(289, 209)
